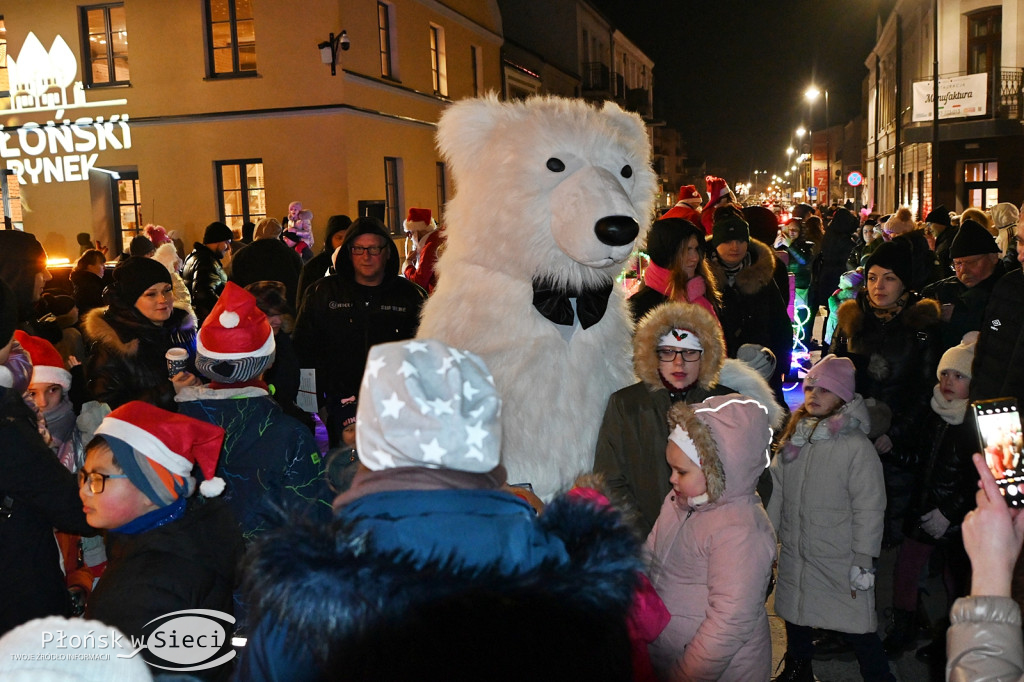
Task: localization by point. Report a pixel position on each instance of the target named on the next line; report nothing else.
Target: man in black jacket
(202, 272)
(363, 304)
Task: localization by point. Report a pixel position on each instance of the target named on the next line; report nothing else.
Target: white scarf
(951, 411)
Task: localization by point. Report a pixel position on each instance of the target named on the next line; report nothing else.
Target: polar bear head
(546, 188)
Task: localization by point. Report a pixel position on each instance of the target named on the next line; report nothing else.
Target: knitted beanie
(217, 232)
(972, 240)
(834, 374)
(939, 216)
(960, 357)
(667, 236)
(764, 224)
(132, 277)
(729, 227)
(140, 246)
(895, 256)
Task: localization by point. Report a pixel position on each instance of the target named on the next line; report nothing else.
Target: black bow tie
(554, 304)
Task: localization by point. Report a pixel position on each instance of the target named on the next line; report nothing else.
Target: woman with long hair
(678, 270)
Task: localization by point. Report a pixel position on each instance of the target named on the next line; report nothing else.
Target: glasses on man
(360, 250)
(688, 354)
(97, 481)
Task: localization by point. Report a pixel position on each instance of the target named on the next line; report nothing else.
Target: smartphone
(999, 433)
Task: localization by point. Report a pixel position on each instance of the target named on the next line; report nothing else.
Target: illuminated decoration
(59, 150)
(632, 278)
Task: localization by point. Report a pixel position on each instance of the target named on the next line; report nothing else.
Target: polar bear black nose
(616, 230)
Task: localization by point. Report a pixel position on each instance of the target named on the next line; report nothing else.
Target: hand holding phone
(1000, 439)
(993, 535)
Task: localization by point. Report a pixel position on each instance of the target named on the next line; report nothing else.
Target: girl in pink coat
(712, 547)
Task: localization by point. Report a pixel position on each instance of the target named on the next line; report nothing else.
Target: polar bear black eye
(627, 171)
(555, 165)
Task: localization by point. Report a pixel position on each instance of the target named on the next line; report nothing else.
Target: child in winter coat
(828, 506)
(712, 546)
(945, 494)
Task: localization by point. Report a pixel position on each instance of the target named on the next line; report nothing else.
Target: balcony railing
(595, 77)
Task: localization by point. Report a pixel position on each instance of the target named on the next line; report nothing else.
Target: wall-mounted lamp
(329, 49)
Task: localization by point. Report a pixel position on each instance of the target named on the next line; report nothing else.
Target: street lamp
(812, 94)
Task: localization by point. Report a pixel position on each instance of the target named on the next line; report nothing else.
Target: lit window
(230, 38)
(129, 208)
(240, 192)
(5, 82)
(438, 66)
(105, 43)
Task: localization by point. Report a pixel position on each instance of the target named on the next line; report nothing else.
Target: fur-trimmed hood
(755, 276)
(732, 436)
(121, 330)
(337, 589)
(919, 314)
(744, 379)
(677, 315)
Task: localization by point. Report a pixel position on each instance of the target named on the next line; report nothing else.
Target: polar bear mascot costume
(551, 195)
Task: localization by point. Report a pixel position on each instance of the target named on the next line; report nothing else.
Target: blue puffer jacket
(444, 581)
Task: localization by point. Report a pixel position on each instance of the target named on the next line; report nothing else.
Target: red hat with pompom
(47, 363)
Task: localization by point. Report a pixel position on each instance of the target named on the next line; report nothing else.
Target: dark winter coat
(998, 369)
(950, 481)
(37, 494)
(341, 319)
(269, 461)
(190, 563)
(968, 304)
(126, 355)
(312, 272)
(753, 308)
(88, 291)
(445, 581)
(268, 259)
(925, 268)
(895, 363)
(205, 279)
(942, 243)
(830, 263)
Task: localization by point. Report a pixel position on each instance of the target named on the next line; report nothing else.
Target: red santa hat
(163, 443)
(47, 364)
(717, 188)
(419, 219)
(690, 195)
(236, 342)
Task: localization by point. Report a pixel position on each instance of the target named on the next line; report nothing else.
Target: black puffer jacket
(205, 279)
(968, 304)
(37, 494)
(950, 480)
(895, 364)
(126, 355)
(830, 263)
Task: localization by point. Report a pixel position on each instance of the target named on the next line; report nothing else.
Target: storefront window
(241, 192)
(230, 38)
(10, 194)
(105, 44)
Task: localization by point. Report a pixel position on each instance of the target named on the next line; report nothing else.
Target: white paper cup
(177, 360)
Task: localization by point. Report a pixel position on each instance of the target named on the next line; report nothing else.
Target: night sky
(730, 74)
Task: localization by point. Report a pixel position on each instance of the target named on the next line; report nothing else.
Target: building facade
(181, 112)
(974, 154)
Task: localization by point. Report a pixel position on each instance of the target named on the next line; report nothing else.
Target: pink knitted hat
(834, 374)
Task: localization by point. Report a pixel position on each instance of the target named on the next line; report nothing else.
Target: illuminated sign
(854, 179)
(64, 149)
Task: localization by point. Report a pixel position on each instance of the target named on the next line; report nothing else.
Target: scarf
(160, 516)
(731, 271)
(807, 431)
(367, 482)
(888, 314)
(554, 304)
(951, 411)
(660, 279)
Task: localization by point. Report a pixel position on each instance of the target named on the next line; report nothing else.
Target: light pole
(800, 132)
(812, 94)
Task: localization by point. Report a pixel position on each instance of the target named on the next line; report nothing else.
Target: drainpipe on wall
(897, 190)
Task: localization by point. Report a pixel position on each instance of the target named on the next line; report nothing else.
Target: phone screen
(999, 431)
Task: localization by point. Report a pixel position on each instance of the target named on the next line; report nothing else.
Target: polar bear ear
(630, 125)
(465, 126)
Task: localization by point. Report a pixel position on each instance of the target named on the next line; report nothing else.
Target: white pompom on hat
(236, 328)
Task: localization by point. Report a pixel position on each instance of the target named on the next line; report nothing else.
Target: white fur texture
(513, 220)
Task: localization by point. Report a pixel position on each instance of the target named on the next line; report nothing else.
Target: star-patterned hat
(425, 404)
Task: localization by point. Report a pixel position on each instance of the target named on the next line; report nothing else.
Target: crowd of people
(160, 420)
